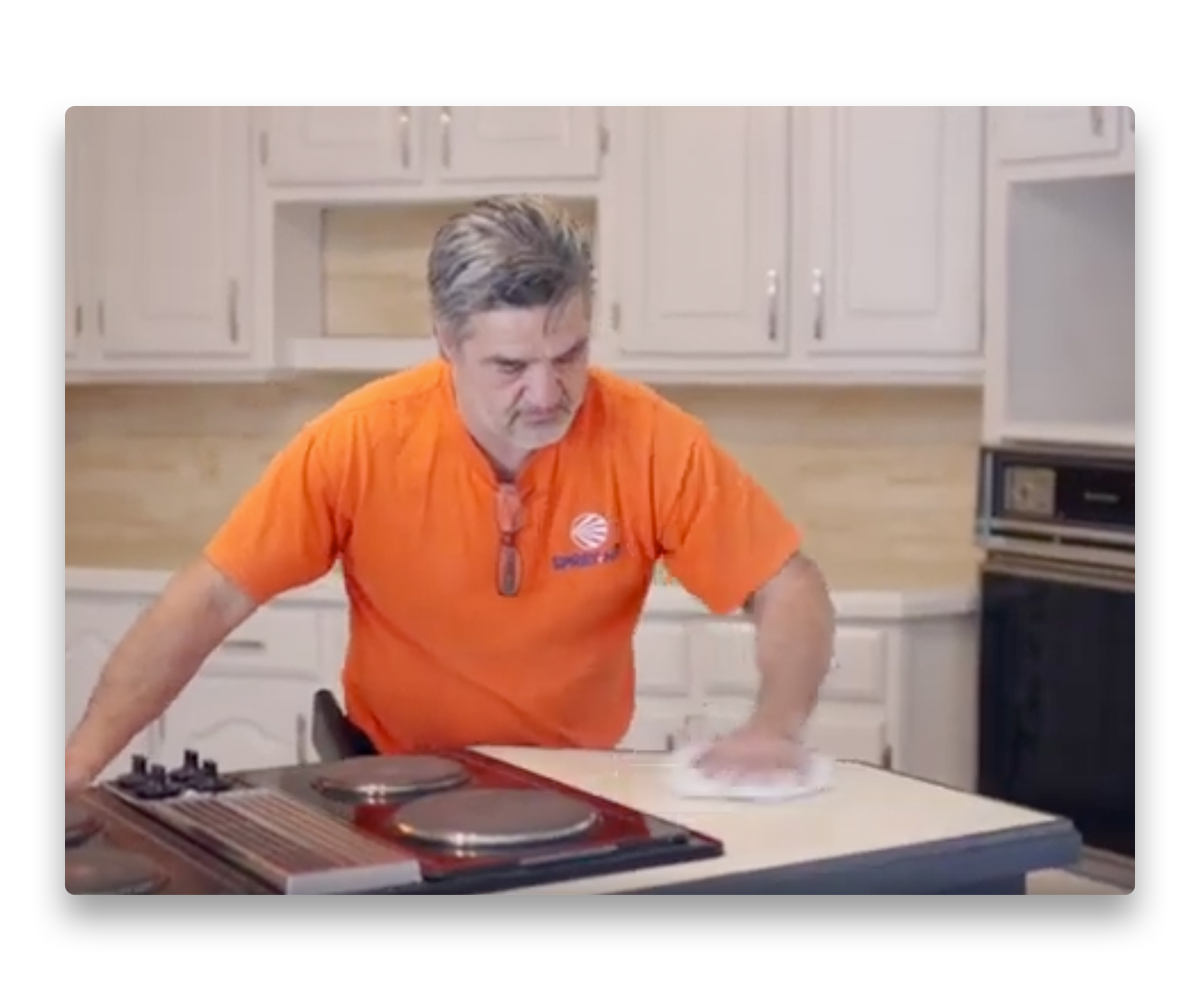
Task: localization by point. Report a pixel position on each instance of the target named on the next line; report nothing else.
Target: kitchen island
(875, 832)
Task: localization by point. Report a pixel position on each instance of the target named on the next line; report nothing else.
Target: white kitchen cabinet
(160, 276)
(663, 686)
(889, 238)
(736, 245)
(1061, 343)
(239, 719)
(95, 624)
(73, 304)
(250, 704)
(424, 152)
(792, 245)
(1044, 132)
(902, 693)
(1062, 141)
(701, 236)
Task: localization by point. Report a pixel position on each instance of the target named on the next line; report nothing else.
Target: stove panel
(110, 850)
(477, 856)
(452, 823)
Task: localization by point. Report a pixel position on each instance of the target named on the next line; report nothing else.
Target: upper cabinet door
(894, 231)
(519, 143)
(427, 146)
(1039, 133)
(78, 229)
(341, 145)
(175, 206)
(703, 232)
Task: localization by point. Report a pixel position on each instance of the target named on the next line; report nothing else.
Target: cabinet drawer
(859, 664)
(279, 636)
(722, 655)
(660, 656)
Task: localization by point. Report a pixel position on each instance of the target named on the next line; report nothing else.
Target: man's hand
(78, 775)
(752, 750)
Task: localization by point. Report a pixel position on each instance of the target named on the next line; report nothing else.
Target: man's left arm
(725, 538)
(794, 626)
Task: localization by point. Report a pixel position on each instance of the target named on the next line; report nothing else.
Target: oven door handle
(1103, 577)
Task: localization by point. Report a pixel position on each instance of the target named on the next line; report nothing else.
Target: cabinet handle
(887, 758)
(772, 304)
(445, 137)
(78, 319)
(818, 290)
(301, 739)
(405, 151)
(100, 317)
(1097, 121)
(245, 645)
(670, 742)
(233, 311)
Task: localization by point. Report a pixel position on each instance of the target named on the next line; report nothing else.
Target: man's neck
(506, 466)
(506, 461)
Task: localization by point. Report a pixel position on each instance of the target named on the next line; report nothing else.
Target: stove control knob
(158, 785)
(137, 774)
(190, 769)
(210, 779)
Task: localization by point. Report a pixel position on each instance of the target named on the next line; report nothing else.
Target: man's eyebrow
(499, 359)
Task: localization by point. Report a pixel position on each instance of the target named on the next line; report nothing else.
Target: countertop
(874, 832)
(663, 599)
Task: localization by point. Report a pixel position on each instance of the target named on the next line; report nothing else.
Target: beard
(540, 430)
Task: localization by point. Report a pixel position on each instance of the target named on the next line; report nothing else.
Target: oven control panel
(1067, 489)
(1059, 504)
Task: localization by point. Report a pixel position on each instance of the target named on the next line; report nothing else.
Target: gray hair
(515, 252)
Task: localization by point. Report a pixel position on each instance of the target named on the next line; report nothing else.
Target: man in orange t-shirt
(497, 514)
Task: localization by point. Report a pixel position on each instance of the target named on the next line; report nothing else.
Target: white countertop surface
(867, 810)
(664, 599)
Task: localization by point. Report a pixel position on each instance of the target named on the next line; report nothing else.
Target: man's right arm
(154, 661)
(285, 532)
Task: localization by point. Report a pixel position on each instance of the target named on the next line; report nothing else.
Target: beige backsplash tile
(882, 480)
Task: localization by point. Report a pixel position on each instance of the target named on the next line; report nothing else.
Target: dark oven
(1057, 673)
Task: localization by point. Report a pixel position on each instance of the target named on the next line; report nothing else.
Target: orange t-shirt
(389, 482)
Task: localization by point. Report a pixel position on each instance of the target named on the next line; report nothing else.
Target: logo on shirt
(589, 534)
(589, 531)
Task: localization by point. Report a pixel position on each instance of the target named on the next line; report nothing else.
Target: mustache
(562, 409)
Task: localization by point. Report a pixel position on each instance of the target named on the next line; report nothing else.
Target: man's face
(520, 374)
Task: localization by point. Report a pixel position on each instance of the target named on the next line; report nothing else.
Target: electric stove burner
(109, 871)
(380, 779)
(473, 818)
(81, 824)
